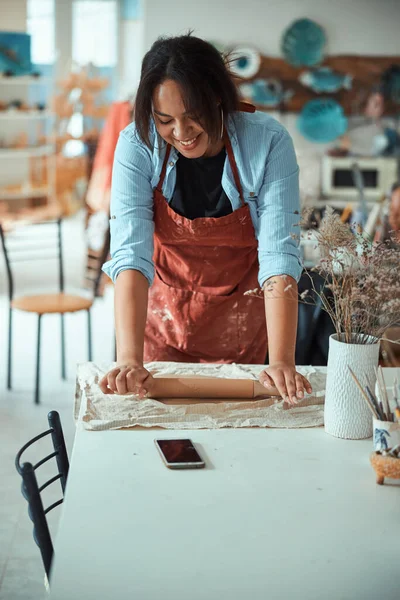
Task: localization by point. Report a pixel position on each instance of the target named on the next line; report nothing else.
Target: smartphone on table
(179, 454)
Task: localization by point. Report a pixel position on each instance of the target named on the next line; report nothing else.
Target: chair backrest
(32, 242)
(94, 276)
(32, 492)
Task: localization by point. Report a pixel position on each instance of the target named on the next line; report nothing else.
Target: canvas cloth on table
(97, 411)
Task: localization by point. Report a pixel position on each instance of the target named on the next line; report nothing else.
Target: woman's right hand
(127, 378)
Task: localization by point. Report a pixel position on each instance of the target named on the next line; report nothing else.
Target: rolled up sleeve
(278, 213)
(131, 222)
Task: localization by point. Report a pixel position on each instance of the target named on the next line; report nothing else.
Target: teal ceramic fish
(265, 92)
(325, 80)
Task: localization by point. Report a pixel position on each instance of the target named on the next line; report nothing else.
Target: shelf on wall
(37, 192)
(33, 114)
(341, 203)
(23, 80)
(26, 152)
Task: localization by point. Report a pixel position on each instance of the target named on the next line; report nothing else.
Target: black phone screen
(179, 451)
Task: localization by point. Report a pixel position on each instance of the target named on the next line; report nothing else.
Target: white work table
(276, 514)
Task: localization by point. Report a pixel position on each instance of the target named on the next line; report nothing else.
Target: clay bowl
(385, 466)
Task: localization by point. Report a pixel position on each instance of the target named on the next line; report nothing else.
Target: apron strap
(164, 169)
(232, 162)
(246, 107)
(243, 107)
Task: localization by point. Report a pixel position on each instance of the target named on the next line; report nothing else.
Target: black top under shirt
(198, 190)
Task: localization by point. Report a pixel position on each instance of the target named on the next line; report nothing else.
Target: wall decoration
(15, 53)
(365, 86)
(391, 83)
(322, 120)
(366, 73)
(375, 106)
(303, 43)
(265, 92)
(386, 143)
(325, 80)
(245, 62)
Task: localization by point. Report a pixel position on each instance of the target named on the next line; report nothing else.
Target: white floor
(21, 571)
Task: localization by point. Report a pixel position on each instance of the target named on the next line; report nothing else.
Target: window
(40, 25)
(94, 32)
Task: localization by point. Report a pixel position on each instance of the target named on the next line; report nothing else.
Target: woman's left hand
(289, 383)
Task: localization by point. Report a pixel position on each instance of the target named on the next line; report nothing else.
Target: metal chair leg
(63, 371)
(89, 323)
(9, 363)
(38, 360)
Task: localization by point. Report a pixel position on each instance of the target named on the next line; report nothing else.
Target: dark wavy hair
(202, 74)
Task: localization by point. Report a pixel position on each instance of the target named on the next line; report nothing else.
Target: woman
(218, 188)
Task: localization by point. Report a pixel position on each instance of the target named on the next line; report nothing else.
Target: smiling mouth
(188, 142)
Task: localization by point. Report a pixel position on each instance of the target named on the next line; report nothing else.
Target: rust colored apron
(197, 310)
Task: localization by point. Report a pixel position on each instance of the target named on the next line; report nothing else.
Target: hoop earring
(222, 122)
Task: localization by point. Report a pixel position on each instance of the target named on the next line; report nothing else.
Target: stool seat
(61, 303)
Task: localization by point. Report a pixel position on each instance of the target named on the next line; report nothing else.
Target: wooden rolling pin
(208, 387)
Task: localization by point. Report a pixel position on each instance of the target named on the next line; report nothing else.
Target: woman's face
(177, 127)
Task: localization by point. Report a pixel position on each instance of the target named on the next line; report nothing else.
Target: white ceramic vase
(347, 414)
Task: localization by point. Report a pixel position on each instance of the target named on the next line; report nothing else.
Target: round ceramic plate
(245, 62)
(303, 43)
(322, 120)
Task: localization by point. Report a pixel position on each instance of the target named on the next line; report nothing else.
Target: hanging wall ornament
(325, 80)
(375, 105)
(303, 43)
(245, 62)
(322, 120)
(265, 92)
(391, 83)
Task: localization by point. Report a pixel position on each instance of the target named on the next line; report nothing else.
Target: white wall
(352, 26)
(130, 52)
(12, 15)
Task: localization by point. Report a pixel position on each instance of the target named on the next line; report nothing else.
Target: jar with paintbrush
(386, 426)
(384, 405)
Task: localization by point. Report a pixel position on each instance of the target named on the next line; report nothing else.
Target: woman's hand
(127, 379)
(289, 383)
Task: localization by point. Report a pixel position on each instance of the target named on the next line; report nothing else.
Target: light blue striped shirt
(269, 176)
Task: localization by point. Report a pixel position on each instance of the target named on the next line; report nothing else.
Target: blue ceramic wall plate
(303, 43)
(245, 62)
(265, 92)
(325, 80)
(322, 120)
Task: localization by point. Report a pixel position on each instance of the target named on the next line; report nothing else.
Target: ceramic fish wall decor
(265, 92)
(325, 80)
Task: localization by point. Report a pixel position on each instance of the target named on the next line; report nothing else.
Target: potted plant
(361, 293)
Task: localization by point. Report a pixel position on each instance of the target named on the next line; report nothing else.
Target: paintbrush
(386, 403)
(385, 408)
(375, 402)
(395, 399)
(370, 404)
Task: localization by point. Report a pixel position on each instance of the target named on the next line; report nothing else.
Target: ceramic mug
(386, 434)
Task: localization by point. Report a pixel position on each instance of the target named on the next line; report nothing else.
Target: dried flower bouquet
(361, 291)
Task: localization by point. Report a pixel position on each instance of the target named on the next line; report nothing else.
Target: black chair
(32, 492)
(95, 279)
(40, 241)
